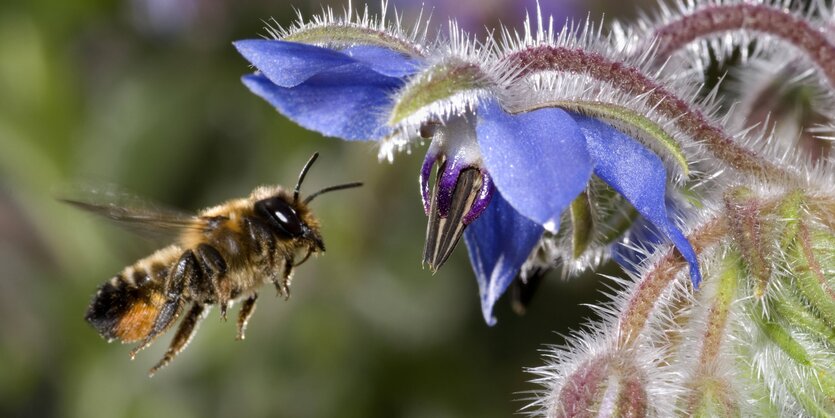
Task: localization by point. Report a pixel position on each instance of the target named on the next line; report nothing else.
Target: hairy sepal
(353, 27)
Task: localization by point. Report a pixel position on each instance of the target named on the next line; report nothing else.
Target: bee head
(292, 218)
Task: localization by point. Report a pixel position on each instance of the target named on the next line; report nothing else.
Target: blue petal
(538, 159)
(383, 60)
(499, 242)
(344, 102)
(639, 175)
(289, 64)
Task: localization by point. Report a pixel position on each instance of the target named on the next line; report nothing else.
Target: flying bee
(223, 254)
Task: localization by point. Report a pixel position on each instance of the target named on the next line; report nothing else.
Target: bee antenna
(332, 189)
(305, 169)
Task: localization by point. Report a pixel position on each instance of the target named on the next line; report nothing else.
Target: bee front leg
(247, 308)
(286, 277)
(184, 273)
(187, 329)
(214, 269)
(266, 247)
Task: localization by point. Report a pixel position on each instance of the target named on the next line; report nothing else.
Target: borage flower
(533, 165)
(503, 179)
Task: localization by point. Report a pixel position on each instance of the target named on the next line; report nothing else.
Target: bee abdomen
(110, 304)
(126, 306)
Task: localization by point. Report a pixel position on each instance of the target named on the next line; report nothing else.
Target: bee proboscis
(223, 254)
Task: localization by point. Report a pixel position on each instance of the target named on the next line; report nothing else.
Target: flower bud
(611, 385)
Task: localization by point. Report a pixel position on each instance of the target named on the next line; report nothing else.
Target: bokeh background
(145, 94)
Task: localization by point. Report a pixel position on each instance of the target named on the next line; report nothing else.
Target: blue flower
(502, 180)
(538, 162)
(341, 93)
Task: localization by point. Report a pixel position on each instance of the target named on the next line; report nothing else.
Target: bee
(222, 255)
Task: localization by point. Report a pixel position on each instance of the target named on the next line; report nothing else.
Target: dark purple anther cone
(461, 193)
(482, 199)
(450, 170)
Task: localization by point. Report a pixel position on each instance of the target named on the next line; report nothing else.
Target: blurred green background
(145, 94)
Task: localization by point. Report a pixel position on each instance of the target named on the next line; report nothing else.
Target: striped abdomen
(126, 306)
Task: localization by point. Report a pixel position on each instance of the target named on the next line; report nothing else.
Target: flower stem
(750, 235)
(717, 316)
(705, 387)
(646, 294)
(717, 19)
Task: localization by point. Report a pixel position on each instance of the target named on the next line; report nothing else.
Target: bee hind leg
(247, 308)
(187, 329)
(185, 272)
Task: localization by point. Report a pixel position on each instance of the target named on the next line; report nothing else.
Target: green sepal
(434, 84)
(813, 255)
(783, 339)
(790, 211)
(582, 224)
(344, 35)
(798, 315)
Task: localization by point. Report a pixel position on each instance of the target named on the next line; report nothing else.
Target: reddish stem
(654, 282)
(765, 19)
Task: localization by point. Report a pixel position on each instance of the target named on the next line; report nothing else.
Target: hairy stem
(715, 19)
(642, 302)
(717, 317)
(749, 233)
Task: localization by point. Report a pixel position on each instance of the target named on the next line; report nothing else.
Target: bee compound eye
(281, 215)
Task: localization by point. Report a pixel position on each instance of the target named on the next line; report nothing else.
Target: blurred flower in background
(164, 16)
(145, 94)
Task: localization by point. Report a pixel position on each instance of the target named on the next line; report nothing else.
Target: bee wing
(133, 213)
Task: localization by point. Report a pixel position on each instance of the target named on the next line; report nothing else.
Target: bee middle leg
(214, 269)
(187, 329)
(185, 272)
